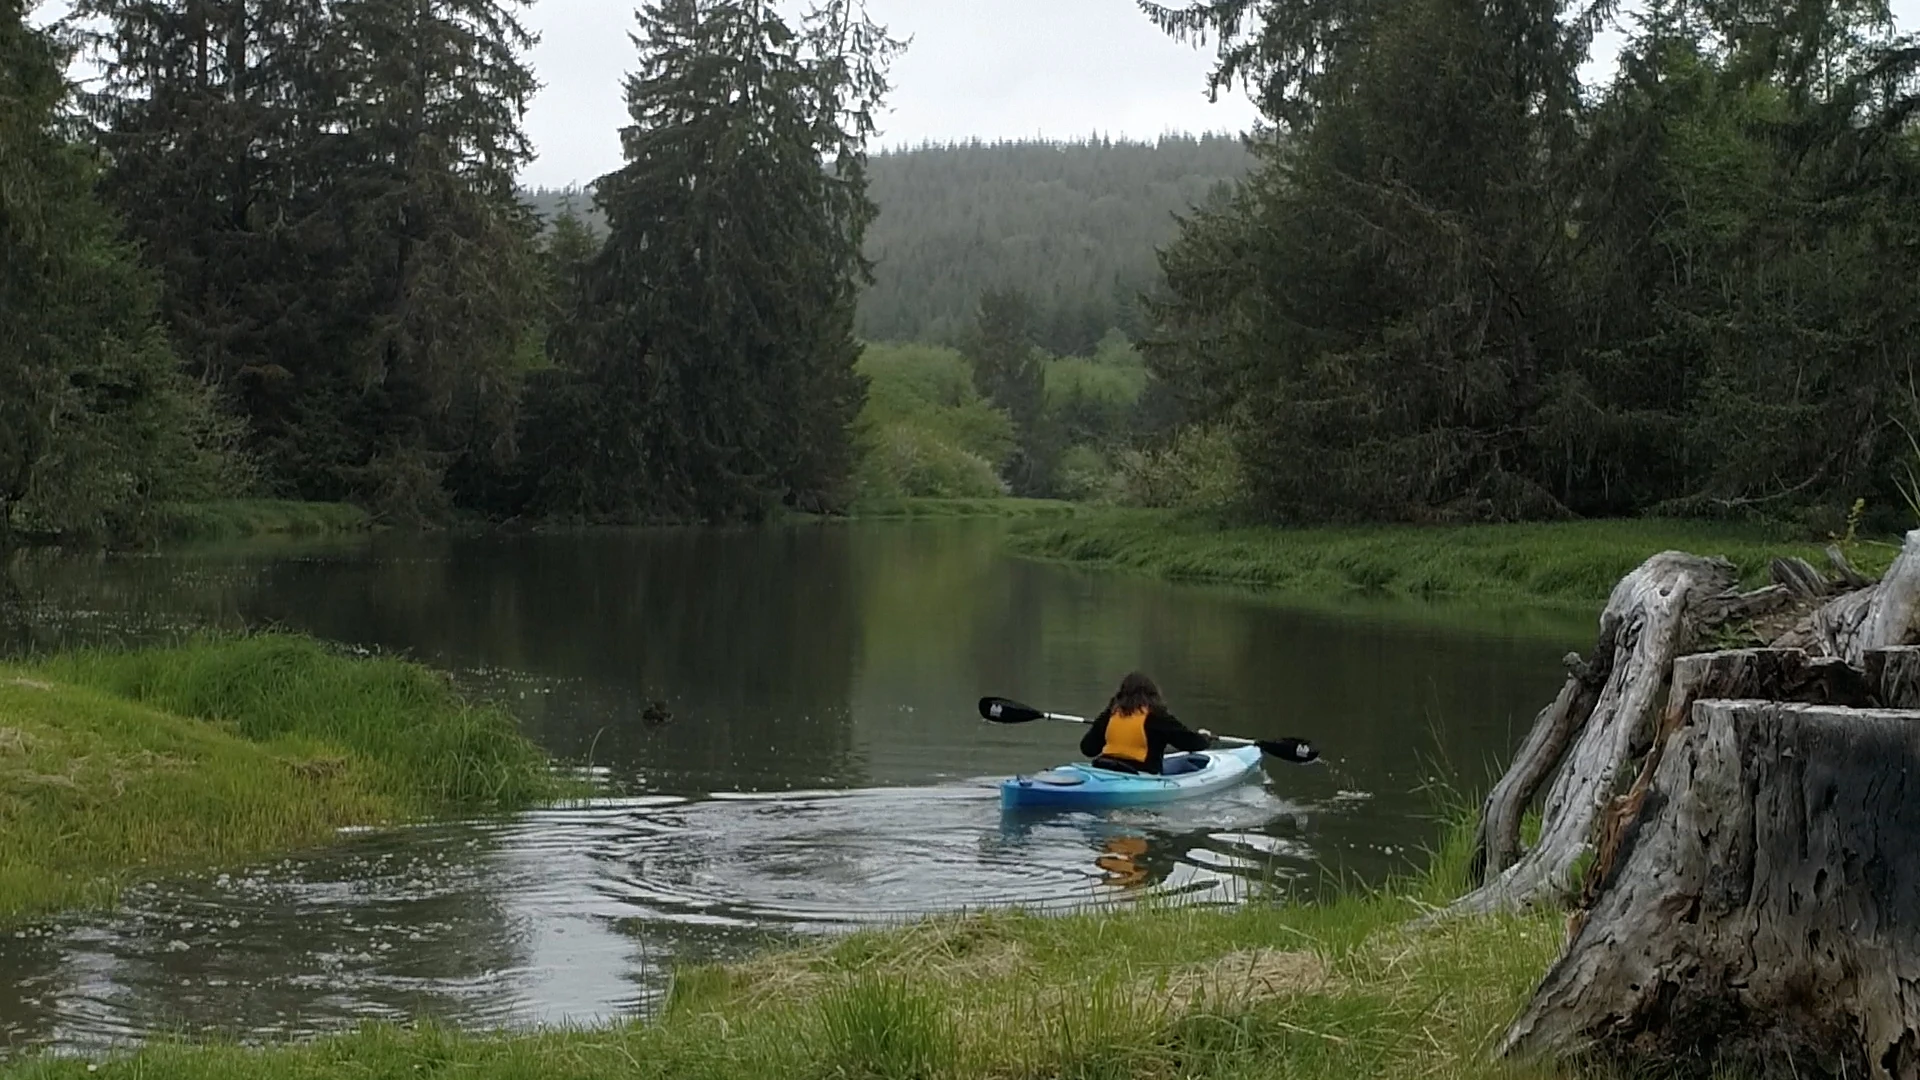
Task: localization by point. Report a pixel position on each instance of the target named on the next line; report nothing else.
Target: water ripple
(575, 915)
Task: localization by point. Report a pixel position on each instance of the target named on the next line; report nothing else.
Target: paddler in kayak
(1133, 732)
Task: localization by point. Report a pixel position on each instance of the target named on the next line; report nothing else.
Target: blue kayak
(1082, 785)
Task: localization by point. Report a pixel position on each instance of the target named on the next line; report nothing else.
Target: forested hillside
(1074, 226)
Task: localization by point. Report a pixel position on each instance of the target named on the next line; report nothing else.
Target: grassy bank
(235, 519)
(1563, 564)
(115, 765)
(1336, 989)
(1007, 507)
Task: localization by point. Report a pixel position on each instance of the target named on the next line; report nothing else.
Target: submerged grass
(1561, 564)
(234, 519)
(120, 764)
(1339, 988)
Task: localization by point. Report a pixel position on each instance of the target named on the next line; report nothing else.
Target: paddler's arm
(1095, 740)
(1178, 735)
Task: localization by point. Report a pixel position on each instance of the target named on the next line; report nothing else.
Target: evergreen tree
(96, 425)
(715, 330)
(1010, 372)
(328, 191)
(1693, 295)
(1376, 306)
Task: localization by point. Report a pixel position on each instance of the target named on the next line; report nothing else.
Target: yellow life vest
(1127, 737)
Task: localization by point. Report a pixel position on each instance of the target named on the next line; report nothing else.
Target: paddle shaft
(1224, 740)
(1003, 711)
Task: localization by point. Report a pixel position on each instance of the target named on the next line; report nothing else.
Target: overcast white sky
(987, 68)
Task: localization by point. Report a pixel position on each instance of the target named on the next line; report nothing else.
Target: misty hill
(1074, 225)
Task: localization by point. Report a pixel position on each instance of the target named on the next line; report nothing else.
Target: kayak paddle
(1003, 711)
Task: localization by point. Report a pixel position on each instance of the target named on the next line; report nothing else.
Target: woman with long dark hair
(1133, 732)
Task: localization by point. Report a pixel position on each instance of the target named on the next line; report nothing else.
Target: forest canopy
(1460, 285)
(279, 247)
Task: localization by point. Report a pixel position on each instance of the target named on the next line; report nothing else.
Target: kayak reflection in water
(1122, 863)
(1132, 733)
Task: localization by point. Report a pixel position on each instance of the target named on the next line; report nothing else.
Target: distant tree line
(1457, 287)
(278, 247)
(1074, 227)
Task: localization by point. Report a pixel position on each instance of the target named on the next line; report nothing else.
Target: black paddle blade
(1002, 711)
(1298, 751)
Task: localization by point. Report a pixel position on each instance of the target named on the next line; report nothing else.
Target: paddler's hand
(1207, 735)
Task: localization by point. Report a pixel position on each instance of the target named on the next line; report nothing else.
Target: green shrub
(1084, 474)
(1199, 471)
(905, 460)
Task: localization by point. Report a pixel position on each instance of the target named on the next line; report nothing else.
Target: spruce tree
(96, 426)
(716, 323)
(327, 188)
(1689, 293)
(1009, 371)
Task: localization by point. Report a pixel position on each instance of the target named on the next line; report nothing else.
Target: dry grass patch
(1239, 980)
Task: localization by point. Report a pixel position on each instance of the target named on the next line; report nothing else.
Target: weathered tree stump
(1849, 577)
(1497, 842)
(1894, 675)
(1762, 904)
(1880, 616)
(1799, 576)
(1760, 674)
(1652, 616)
(1595, 734)
(1896, 604)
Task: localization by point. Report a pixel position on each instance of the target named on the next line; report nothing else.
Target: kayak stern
(1081, 786)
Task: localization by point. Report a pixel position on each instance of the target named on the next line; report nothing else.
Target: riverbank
(1563, 565)
(1310, 990)
(239, 519)
(118, 765)
(1007, 509)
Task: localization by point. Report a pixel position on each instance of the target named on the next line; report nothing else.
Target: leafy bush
(925, 431)
(1094, 399)
(1198, 471)
(907, 460)
(1084, 475)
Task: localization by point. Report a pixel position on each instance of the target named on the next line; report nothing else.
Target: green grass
(897, 509)
(233, 519)
(1561, 564)
(119, 765)
(1336, 989)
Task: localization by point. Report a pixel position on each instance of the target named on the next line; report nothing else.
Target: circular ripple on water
(575, 915)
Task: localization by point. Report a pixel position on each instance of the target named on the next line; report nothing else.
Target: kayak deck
(1082, 785)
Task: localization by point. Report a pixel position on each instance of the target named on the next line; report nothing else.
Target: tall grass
(1335, 989)
(233, 519)
(115, 764)
(1563, 563)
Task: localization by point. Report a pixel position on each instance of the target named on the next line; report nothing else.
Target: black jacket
(1162, 731)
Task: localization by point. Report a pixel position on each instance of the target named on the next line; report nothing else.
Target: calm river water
(824, 769)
